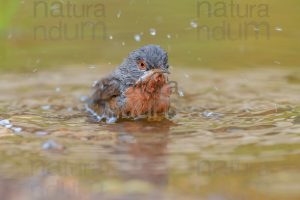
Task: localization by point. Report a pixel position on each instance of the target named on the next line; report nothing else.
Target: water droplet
(41, 133)
(127, 138)
(55, 8)
(277, 62)
(46, 107)
(152, 31)
(169, 36)
(279, 29)
(111, 37)
(247, 107)
(4, 122)
(111, 120)
(119, 14)
(276, 107)
(83, 98)
(137, 38)
(92, 66)
(16, 129)
(70, 109)
(209, 114)
(57, 89)
(51, 144)
(194, 24)
(8, 126)
(123, 43)
(256, 29)
(180, 92)
(186, 75)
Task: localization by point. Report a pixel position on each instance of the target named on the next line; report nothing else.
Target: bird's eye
(142, 65)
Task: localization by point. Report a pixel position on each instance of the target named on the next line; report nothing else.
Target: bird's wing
(105, 89)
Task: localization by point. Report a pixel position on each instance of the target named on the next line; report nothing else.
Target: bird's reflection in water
(141, 149)
(139, 155)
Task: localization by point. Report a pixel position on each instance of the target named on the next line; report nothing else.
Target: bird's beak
(165, 71)
(150, 73)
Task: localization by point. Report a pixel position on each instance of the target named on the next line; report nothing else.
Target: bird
(137, 88)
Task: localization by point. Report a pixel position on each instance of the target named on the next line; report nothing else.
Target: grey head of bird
(142, 62)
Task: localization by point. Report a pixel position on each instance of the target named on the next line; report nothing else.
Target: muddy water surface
(235, 135)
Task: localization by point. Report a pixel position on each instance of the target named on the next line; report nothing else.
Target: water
(194, 24)
(137, 37)
(152, 32)
(235, 131)
(239, 141)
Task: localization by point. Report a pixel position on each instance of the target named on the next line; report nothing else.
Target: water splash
(194, 24)
(41, 133)
(152, 31)
(46, 107)
(7, 124)
(51, 145)
(209, 114)
(278, 29)
(180, 93)
(93, 113)
(277, 62)
(111, 120)
(137, 38)
(4, 122)
(119, 14)
(16, 129)
(83, 98)
(55, 8)
(99, 118)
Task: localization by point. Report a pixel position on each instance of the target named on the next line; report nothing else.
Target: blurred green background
(176, 23)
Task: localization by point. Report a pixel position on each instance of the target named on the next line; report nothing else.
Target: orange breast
(149, 96)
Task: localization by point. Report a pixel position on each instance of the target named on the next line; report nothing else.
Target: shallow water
(235, 136)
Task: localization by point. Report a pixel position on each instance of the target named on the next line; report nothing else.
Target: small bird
(137, 88)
